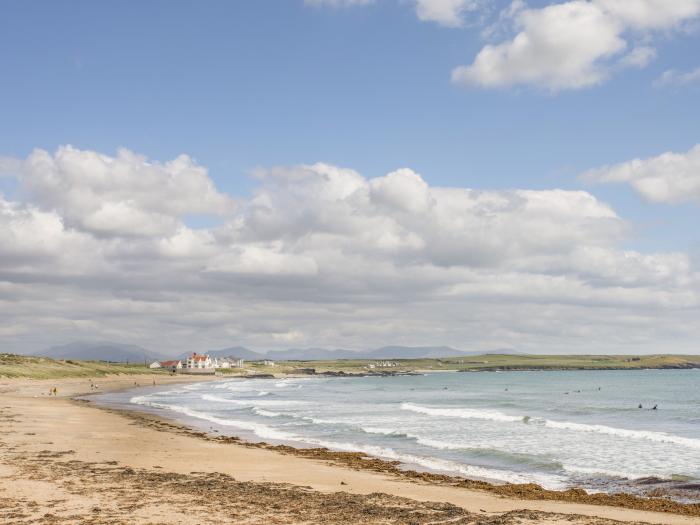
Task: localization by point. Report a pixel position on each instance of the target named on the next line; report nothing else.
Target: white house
(199, 361)
(220, 362)
(267, 362)
(154, 364)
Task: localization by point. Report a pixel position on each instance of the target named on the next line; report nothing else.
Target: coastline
(166, 446)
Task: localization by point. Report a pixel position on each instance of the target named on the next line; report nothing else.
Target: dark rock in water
(259, 376)
(651, 480)
(689, 486)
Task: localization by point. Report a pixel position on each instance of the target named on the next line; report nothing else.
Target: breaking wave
(494, 415)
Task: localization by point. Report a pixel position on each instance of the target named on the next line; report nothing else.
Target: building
(267, 362)
(221, 362)
(227, 362)
(154, 364)
(172, 366)
(198, 361)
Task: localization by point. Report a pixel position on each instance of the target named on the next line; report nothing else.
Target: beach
(67, 461)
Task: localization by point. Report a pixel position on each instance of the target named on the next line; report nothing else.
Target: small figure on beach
(640, 406)
(55, 392)
(655, 407)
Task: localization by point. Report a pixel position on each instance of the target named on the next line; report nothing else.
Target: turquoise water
(558, 429)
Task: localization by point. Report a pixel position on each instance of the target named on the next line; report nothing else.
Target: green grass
(44, 368)
(499, 362)
(12, 365)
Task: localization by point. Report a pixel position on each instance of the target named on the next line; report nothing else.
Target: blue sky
(243, 85)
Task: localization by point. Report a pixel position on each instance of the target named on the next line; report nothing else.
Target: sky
(351, 173)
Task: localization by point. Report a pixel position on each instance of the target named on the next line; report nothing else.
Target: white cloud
(673, 78)
(559, 46)
(449, 13)
(639, 57)
(651, 14)
(123, 195)
(574, 44)
(669, 177)
(320, 255)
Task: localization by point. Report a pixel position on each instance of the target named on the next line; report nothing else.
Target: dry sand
(63, 461)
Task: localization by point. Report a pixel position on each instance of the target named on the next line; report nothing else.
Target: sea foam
(494, 415)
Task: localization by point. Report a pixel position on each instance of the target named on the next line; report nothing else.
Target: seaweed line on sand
(361, 461)
(118, 495)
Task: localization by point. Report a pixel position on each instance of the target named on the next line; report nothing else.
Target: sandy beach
(68, 461)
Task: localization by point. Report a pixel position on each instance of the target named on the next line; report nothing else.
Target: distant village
(205, 364)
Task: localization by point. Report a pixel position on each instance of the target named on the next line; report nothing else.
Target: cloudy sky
(351, 173)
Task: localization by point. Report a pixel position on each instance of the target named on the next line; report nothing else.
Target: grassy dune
(44, 368)
(12, 365)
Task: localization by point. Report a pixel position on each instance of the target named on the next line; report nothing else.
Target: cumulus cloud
(449, 13)
(651, 14)
(322, 255)
(670, 177)
(122, 195)
(574, 44)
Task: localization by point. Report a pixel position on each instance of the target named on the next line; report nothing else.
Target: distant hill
(117, 352)
(100, 351)
(386, 352)
(415, 352)
(307, 354)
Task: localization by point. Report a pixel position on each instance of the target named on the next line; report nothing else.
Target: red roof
(199, 357)
(169, 363)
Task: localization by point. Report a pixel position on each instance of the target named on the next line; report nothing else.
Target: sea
(559, 429)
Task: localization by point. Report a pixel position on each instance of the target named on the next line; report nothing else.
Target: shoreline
(360, 460)
(158, 449)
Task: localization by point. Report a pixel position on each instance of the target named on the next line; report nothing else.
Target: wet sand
(67, 461)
